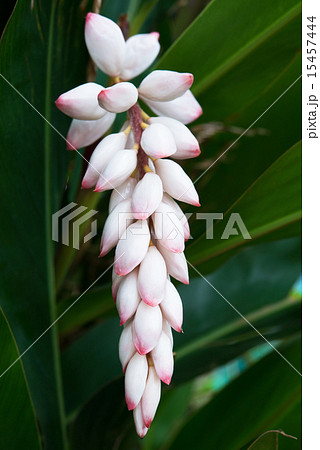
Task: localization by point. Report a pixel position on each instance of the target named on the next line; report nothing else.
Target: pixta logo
(71, 223)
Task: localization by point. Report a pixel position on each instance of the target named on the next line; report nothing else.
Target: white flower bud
(85, 132)
(119, 168)
(167, 329)
(122, 192)
(171, 307)
(176, 264)
(176, 182)
(179, 213)
(152, 277)
(132, 247)
(100, 157)
(141, 51)
(147, 325)
(146, 196)
(118, 98)
(135, 379)
(81, 102)
(151, 397)
(105, 43)
(128, 297)
(116, 224)
(165, 85)
(126, 347)
(187, 144)
(141, 429)
(186, 109)
(163, 359)
(168, 229)
(157, 141)
(116, 280)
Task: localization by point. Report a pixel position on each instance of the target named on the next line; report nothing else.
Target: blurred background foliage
(230, 389)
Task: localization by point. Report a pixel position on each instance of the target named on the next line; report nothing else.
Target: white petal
(116, 280)
(130, 140)
(176, 182)
(186, 109)
(152, 277)
(126, 347)
(146, 196)
(102, 154)
(119, 168)
(116, 224)
(166, 328)
(165, 85)
(176, 264)
(135, 379)
(171, 307)
(147, 324)
(187, 144)
(168, 229)
(85, 132)
(141, 429)
(105, 43)
(81, 102)
(132, 247)
(157, 141)
(128, 297)
(123, 191)
(118, 98)
(179, 213)
(141, 51)
(163, 359)
(151, 397)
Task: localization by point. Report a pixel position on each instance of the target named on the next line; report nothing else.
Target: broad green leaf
(256, 282)
(42, 55)
(272, 202)
(257, 401)
(18, 428)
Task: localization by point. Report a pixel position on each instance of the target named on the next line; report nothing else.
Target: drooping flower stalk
(145, 223)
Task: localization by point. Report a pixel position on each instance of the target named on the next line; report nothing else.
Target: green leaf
(256, 401)
(272, 202)
(18, 428)
(42, 55)
(269, 440)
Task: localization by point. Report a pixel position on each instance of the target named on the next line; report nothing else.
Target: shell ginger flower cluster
(145, 223)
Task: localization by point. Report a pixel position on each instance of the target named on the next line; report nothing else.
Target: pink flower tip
(150, 302)
(85, 184)
(98, 188)
(130, 404)
(147, 421)
(140, 215)
(120, 271)
(122, 322)
(141, 350)
(89, 16)
(189, 80)
(196, 152)
(155, 34)
(166, 379)
(70, 146)
(185, 281)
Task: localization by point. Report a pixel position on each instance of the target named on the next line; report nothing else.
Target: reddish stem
(135, 122)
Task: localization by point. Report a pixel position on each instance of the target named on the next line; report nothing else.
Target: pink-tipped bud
(85, 132)
(151, 397)
(179, 213)
(171, 307)
(141, 51)
(176, 182)
(186, 109)
(135, 379)
(116, 280)
(163, 359)
(116, 224)
(187, 144)
(105, 43)
(168, 229)
(81, 102)
(128, 297)
(132, 247)
(102, 154)
(126, 347)
(176, 264)
(119, 168)
(118, 98)
(167, 329)
(122, 192)
(157, 141)
(165, 85)
(147, 196)
(141, 429)
(148, 326)
(152, 277)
